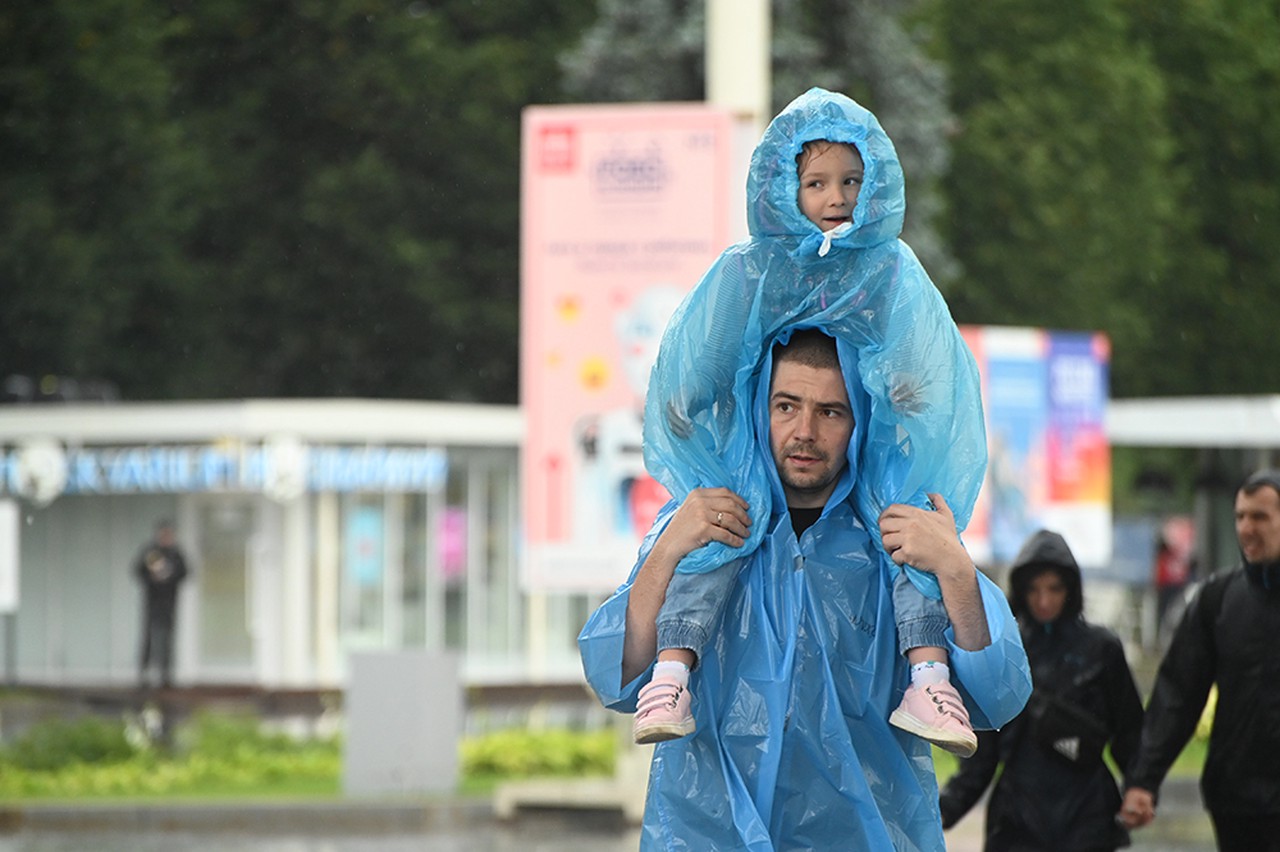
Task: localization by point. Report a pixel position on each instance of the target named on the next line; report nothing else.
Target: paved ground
(441, 826)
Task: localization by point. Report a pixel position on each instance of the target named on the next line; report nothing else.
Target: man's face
(810, 423)
(830, 179)
(1258, 524)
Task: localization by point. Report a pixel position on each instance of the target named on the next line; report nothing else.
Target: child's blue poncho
(862, 285)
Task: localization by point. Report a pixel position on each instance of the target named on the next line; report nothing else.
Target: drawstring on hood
(827, 236)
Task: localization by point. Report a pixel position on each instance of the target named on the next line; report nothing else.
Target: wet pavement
(467, 826)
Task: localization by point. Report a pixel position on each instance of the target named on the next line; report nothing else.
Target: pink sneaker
(663, 712)
(936, 713)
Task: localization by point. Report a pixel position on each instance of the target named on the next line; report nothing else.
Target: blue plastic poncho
(862, 285)
(793, 748)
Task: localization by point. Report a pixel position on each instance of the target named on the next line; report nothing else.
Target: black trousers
(157, 648)
(1247, 832)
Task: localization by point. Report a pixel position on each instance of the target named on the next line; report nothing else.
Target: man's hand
(924, 539)
(1138, 808)
(928, 540)
(706, 515)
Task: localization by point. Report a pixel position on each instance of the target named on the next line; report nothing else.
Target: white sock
(672, 668)
(927, 674)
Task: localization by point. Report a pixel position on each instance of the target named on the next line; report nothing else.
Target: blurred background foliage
(293, 198)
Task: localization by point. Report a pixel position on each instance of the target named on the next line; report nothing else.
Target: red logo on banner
(557, 148)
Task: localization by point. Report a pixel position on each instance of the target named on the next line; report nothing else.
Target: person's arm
(928, 540)
(965, 788)
(1124, 705)
(1182, 686)
(706, 515)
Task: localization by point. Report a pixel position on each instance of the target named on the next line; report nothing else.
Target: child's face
(830, 178)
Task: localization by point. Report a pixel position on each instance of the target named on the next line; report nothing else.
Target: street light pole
(738, 58)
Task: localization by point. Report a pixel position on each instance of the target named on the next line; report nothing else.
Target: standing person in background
(1226, 637)
(160, 568)
(1173, 566)
(1056, 792)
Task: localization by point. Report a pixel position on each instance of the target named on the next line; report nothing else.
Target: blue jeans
(922, 620)
(695, 603)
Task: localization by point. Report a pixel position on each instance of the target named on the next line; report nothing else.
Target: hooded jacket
(792, 747)
(922, 428)
(1044, 800)
(1227, 636)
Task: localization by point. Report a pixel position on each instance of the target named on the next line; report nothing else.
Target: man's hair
(1260, 479)
(808, 347)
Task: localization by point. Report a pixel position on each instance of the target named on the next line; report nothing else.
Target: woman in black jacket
(1055, 792)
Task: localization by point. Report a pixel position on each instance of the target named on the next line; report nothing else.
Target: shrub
(57, 743)
(522, 754)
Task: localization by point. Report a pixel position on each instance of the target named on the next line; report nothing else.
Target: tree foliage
(873, 50)
(1062, 210)
(296, 197)
(278, 198)
(93, 177)
(1215, 320)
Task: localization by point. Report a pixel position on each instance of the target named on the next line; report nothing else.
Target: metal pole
(738, 58)
(10, 649)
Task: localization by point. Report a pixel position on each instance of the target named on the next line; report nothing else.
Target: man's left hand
(924, 539)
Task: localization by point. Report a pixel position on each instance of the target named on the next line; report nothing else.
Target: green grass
(220, 757)
(228, 758)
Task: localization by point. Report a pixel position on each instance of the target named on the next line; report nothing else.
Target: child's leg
(691, 610)
(931, 708)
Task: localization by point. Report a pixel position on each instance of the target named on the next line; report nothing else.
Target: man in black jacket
(1227, 637)
(160, 568)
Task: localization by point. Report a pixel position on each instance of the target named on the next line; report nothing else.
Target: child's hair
(808, 149)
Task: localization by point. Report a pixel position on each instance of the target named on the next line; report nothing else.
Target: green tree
(872, 50)
(93, 186)
(361, 235)
(1216, 317)
(281, 198)
(1063, 200)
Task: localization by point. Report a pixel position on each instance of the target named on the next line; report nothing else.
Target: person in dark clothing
(160, 568)
(1226, 637)
(1056, 792)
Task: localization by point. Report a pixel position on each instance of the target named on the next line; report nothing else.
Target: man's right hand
(1138, 808)
(706, 515)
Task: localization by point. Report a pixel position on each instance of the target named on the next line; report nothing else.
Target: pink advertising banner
(623, 208)
(1044, 395)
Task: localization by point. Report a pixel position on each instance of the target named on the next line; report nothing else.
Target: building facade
(311, 528)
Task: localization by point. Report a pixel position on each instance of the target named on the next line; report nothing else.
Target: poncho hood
(773, 184)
